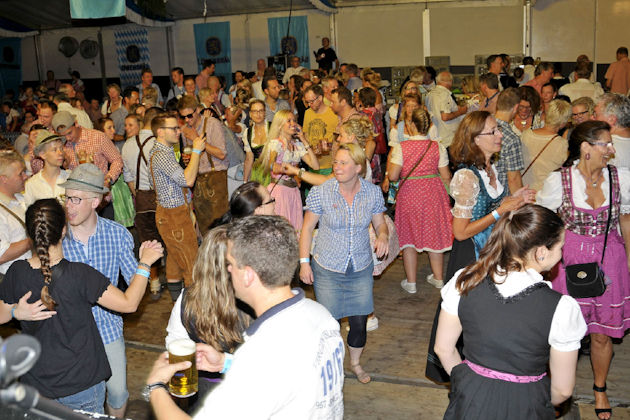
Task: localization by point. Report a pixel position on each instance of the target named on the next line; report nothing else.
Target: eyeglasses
(491, 133)
(171, 128)
(577, 114)
(312, 100)
(602, 143)
(187, 116)
(257, 111)
(75, 200)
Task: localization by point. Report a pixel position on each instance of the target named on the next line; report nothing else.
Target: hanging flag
(297, 41)
(96, 9)
(10, 64)
(132, 48)
(212, 41)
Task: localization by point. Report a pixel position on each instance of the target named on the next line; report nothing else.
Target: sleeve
(393, 136)
(5, 238)
(443, 156)
(513, 154)
(275, 146)
(450, 295)
(171, 94)
(119, 123)
(8, 293)
(624, 189)
(464, 190)
(112, 155)
(443, 105)
(129, 161)
(314, 200)
(300, 150)
(175, 329)
(610, 72)
(29, 197)
(96, 285)
(395, 155)
(379, 201)
(216, 136)
(550, 195)
(567, 325)
(246, 145)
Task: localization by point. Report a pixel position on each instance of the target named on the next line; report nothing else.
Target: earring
(587, 156)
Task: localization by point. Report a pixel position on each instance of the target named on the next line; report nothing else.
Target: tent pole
(169, 47)
(38, 57)
(102, 60)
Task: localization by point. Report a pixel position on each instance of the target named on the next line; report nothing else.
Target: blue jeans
(117, 394)
(91, 399)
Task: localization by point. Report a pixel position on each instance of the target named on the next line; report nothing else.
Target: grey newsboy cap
(86, 177)
(43, 138)
(63, 119)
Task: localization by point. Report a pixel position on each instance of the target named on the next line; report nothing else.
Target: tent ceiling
(52, 14)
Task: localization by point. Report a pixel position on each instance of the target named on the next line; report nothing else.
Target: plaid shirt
(110, 251)
(343, 230)
(511, 157)
(169, 176)
(103, 152)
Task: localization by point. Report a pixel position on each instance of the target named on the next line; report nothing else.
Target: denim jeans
(91, 399)
(117, 393)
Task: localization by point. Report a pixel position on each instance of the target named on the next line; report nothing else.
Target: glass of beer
(187, 153)
(184, 383)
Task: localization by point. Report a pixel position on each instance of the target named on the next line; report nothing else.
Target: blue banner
(297, 42)
(132, 49)
(96, 9)
(212, 41)
(10, 65)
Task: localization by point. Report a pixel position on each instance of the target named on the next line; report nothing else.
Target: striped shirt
(343, 230)
(169, 176)
(110, 251)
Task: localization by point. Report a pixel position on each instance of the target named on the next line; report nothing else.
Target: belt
(286, 182)
(508, 377)
(423, 176)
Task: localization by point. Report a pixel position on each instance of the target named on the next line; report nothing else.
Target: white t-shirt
(439, 101)
(622, 151)
(130, 152)
(12, 230)
(290, 367)
(567, 326)
(37, 188)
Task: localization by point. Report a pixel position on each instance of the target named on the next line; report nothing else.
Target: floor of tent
(395, 357)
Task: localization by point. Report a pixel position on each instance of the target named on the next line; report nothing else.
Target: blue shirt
(110, 251)
(169, 176)
(343, 230)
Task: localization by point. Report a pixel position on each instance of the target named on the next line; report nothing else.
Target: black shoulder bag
(588, 280)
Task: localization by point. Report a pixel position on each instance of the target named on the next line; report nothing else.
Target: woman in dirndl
(514, 325)
(579, 192)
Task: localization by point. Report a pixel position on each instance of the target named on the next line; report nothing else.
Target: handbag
(589, 280)
(392, 196)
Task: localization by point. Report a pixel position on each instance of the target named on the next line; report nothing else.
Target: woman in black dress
(513, 324)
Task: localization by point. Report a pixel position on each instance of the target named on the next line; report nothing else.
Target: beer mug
(184, 383)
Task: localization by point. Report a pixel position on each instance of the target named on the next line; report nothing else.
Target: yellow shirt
(318, 127)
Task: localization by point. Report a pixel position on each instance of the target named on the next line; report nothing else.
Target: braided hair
(45, 220)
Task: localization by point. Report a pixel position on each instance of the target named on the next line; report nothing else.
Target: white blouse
(396, 156)
(550, 195)
(567, 325)
(465, 189)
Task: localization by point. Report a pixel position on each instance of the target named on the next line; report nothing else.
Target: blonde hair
(356, 154)
(204, 93)
(362, 128)
(7, 157)
(264, 160)
(417, 74)
(372, 77)
(558, 113)
(149, 96)
(210, 306)
(470, 84)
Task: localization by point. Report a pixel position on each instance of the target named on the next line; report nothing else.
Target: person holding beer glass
(73, 366)
(205, 312)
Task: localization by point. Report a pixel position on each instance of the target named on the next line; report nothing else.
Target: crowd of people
(313, 174)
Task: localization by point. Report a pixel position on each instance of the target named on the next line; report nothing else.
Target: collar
(162, 146)
(6, 200)
(274, 310)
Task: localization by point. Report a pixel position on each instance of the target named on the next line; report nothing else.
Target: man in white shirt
(445, 113)
(615, 110)
(291, 364)
(582, 85)
(45, 183)
(177, 89)
(63, 104)
(294, 69)
(14, 245)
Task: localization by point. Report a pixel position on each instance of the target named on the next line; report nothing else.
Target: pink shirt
(619, 75)
(536, 83)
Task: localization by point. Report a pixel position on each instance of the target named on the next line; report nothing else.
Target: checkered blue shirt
(511, 157)
(169, 177)
(343, 230)
(110, 251)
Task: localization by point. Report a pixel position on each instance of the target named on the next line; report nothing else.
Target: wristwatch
(146, 391)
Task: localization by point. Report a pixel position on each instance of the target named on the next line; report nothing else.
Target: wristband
(305, 260)
(13, 311)
(227, 363)
(496, 215)
(143, 272)
(143, 265)
(196, 151)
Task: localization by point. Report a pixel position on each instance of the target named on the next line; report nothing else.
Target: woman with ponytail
(73, 367)
(513, 324)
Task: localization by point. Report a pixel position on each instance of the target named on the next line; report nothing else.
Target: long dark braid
(45, 220)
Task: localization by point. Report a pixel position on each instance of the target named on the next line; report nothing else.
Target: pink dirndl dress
(423, 214)
(608, 314)
(288, 199)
